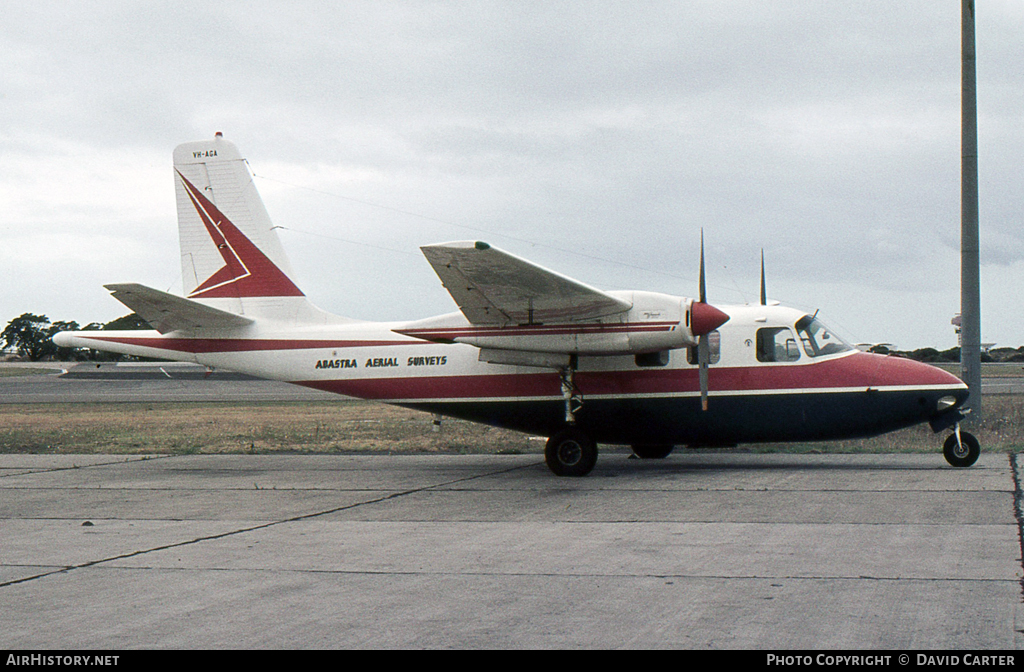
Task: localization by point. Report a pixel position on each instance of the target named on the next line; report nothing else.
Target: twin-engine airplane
(529, 349)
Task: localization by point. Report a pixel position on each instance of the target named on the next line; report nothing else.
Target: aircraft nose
(705, 318)
(900, 371)
(949, 392)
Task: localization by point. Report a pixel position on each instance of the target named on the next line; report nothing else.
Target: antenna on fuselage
(764, 289)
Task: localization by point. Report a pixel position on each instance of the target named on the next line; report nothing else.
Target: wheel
(652, 451)
(962, 454)
(570, 453)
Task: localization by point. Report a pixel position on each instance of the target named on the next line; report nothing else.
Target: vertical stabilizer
(228, 246)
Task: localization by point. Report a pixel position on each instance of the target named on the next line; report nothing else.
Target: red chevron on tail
(247, 272)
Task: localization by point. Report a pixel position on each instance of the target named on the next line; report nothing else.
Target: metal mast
(970, 281)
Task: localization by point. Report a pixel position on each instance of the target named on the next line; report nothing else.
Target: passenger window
(777, 344)
(714, 349)
(659, 358)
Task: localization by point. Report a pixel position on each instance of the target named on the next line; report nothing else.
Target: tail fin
(228, 245)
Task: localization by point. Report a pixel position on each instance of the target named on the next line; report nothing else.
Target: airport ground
(430, 548)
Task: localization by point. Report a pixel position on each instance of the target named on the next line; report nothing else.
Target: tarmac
(130, 383)
(703, 550)
(699, 551)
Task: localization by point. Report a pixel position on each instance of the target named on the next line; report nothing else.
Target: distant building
(985, 347)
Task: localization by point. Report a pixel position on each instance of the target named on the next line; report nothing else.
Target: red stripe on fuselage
(499, 386)
(217, 345)
(857, 370)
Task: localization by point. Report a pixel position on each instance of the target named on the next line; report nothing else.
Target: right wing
(167, 312)
(495, 288)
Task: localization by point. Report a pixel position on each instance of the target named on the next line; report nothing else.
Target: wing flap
(167, 312)
(493, 287)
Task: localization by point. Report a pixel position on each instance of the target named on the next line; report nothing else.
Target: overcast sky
(594, 138)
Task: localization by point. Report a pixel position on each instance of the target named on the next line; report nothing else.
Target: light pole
(970, 281)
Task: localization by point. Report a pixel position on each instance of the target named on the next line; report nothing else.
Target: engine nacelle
(654, 322)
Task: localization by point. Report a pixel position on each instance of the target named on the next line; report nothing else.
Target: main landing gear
(570, 453)
(961, 448)
(571, 395)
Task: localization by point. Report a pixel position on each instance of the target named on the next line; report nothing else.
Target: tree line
(31, 337)
(932, 356)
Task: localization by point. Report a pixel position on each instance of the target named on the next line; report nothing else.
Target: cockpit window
(818, 339)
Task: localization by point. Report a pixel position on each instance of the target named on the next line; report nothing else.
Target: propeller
(703, 346)
(705, 319)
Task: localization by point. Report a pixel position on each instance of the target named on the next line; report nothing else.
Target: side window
(659, 358)
(777, 344)
(714, 349)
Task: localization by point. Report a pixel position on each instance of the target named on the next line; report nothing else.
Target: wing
(167, 312)
(493, 287)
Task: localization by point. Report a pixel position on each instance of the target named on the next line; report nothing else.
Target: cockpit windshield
(818, 339)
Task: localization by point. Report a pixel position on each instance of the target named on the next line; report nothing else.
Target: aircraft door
(777, 344)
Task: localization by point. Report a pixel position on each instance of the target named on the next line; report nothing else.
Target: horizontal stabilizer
(167, 312)
(495, 288)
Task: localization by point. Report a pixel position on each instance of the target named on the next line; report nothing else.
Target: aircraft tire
(570, 453)
(652, 451)
(961, 455)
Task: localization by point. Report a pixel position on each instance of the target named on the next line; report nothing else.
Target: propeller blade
(706, 318)
(703, 288)
(703, 357)
(764, 290)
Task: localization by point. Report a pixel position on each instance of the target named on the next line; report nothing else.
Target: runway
(699, 551)
(129, 383)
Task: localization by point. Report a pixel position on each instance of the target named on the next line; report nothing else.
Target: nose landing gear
(961, 449)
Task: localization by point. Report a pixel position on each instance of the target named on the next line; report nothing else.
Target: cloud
(596, 138)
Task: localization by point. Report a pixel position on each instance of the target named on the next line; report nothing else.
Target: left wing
(495, 288)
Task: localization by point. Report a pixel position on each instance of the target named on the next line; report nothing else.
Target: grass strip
(355, 426)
